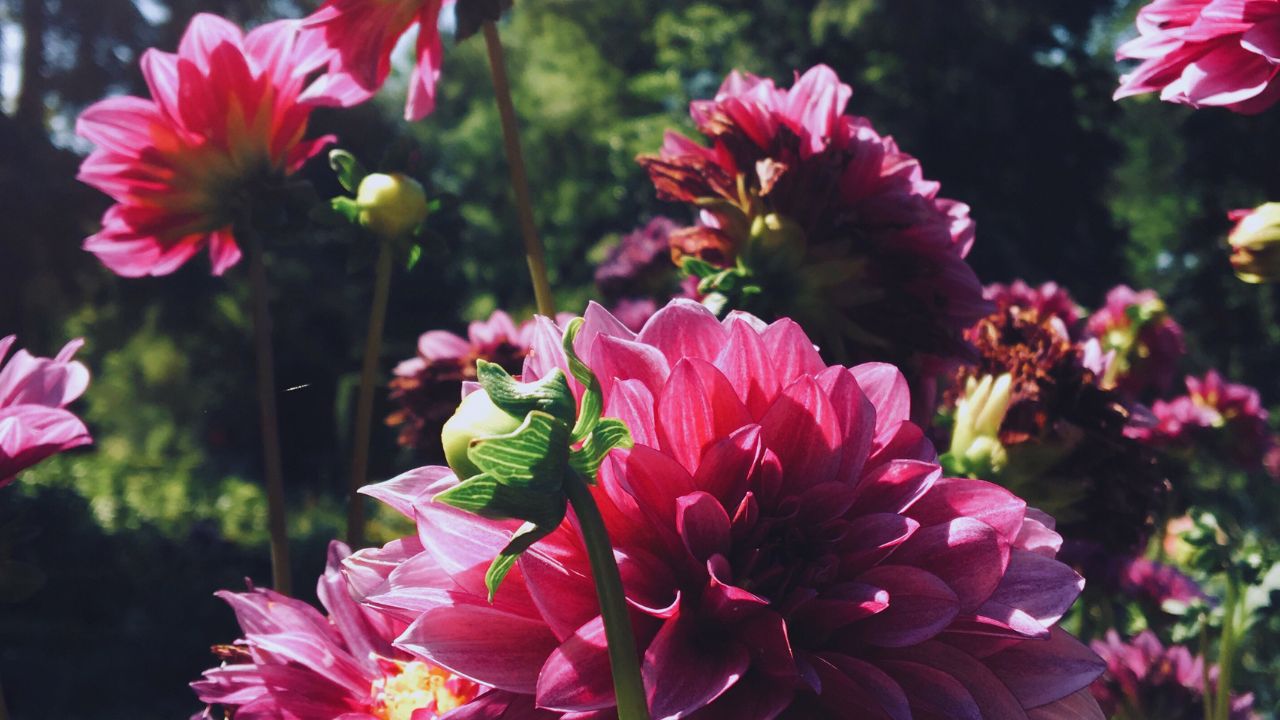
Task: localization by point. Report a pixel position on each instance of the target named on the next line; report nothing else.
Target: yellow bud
(1255, 245)
(476, 417)
(779, 236)
(391, 206)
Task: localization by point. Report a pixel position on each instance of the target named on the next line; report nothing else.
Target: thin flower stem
(1207, 698)
(628, 687)
(364, 405)
(268, 415)
(1227, 649)
(519, 180)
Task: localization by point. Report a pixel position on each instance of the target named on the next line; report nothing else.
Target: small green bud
(477, 417)
(778, 236)
(391, 206)
(1255, 244)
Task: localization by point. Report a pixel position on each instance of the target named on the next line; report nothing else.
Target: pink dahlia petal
(34, 392)
(1039, 672)
(507, 654)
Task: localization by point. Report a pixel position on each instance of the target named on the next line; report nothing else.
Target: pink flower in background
(33, 394)
(839, 226)
(1225, 416)
(1206, 52)
(786, 542)
(1048, 300)
(1145, 677)
(294, 662)
(427, 387)
(1147, 342)
(362, 35)
(223, 118)
(1157, 583)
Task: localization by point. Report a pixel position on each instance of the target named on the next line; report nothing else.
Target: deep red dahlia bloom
(1207, 52)
(785, 538)
(427, 387)
(294, 662)
(362, 35)
(1147, 341)
(1145, 677)
(34, 393)
(1048, 300)
(223, 117)
(837, 225)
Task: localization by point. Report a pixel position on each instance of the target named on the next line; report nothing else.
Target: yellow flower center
(412, 686)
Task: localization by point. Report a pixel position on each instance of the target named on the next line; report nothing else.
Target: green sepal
(522, 540)
(415, 255)
(550, 395)
(348, 169)
(609, 434)
(534, 456)
(486, 496)
(593, 396)
(347, 208)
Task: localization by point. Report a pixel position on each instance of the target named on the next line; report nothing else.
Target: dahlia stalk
(786, 543)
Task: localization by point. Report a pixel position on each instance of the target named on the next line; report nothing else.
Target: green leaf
(415, 255)
(550, 395)
(522, 540)
(698, 268)
(486, 496)
(348, 169)
(593, 397)
(610, 433)
(533, 456)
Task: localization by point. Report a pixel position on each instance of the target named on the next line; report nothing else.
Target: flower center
(411, 686)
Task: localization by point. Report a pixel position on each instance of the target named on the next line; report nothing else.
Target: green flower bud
(975, 440)
(778, 236)
(1255, 244)
(391, 206)
(477, 417)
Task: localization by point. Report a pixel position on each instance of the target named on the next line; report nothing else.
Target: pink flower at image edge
(33, 394)
(224, 114)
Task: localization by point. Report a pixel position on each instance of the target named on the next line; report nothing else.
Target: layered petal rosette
(1147, 342)
(362, 34)
(1047, 300)
(1146, 679)
(1206, 53)
(426, 387)
(294, 662)
(827, 220)
(786, 541)
(1223, 416)
(34, 394)
(222, 123)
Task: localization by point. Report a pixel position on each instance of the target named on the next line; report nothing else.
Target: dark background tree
(1006, 102)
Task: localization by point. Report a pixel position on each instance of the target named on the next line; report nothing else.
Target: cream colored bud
(391, 206)
(476, 417)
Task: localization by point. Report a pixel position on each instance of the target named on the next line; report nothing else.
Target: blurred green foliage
(1006, 102)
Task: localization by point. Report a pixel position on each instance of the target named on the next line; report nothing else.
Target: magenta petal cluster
(786, 541)
(1224, 415)
(295, 662)
(362, 35)
(1207, 53)
(223, 115)
(1145, 679)
(34, 393)
(1047, 300)
(427, 386)
(1148, 342)
(790, 177)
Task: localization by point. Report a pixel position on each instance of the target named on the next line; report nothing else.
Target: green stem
(1204, 667)
(269, 417)
(1227, 649)
(628, 686)
(364, 405)
(519, 180)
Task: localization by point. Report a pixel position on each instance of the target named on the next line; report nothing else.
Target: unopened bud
(975, 440)
(1255, 243)
(778, 236)
(391, 206)
(477, 417)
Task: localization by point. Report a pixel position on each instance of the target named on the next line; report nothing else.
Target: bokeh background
(1006, 102)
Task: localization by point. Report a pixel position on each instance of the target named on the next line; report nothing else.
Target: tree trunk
(30, 111)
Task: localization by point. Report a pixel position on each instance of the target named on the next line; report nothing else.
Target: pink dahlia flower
(786, 541)
(1148, 680)
(1157, 583)
(1147, 342)
(294, 662)
(223, 119)
(34, 393)
(362, 35)
(1048, 300)
(427, 387)
(1206, 52)
(836, 224)
(1225, 416)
